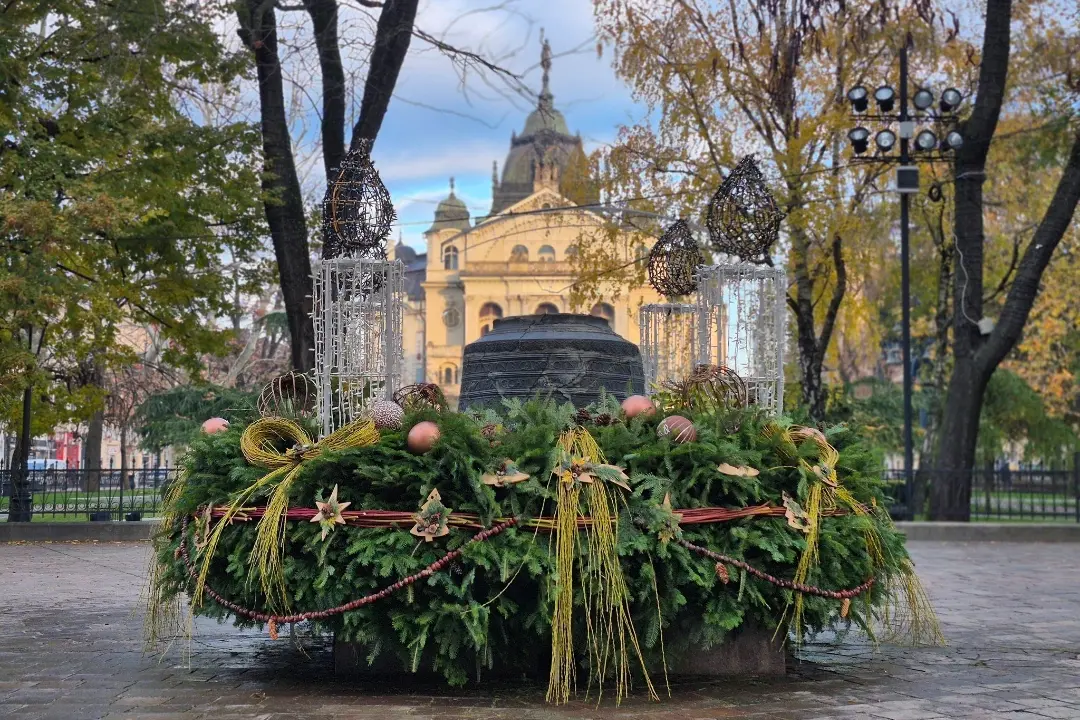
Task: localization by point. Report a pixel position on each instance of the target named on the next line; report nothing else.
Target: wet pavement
(71, 648)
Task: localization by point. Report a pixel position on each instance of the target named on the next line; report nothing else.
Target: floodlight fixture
(860, 139)
(885, 97)
(885, 140)
(922, 99)
(925, 141)
(950, 100)
(859, 97)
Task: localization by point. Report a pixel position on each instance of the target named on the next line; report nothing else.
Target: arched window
(641, 254)
(547, 254)
(450, 375)
(546, 309)
(605, 311)
(520, 253)
(489, 313)
(450, 257)
(572, 252)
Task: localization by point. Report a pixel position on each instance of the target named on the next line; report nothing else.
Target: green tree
(116, 205)
(174, 418)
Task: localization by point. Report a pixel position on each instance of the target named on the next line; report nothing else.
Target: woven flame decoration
(743, 217)
(357, 209)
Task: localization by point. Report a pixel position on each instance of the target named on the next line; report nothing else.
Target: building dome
(545, 117)
(451, 213)
(545, 142)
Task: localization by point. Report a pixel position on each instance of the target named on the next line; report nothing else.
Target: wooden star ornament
(506, 474)
(329, 513)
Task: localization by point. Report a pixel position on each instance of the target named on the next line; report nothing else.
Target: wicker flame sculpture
(357, 209)
(743, 218)
(674, 260)
(291, 395)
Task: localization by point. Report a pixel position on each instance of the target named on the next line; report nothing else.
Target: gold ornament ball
(678, 428)
(422, 437)
(215, 425)
(638, 405)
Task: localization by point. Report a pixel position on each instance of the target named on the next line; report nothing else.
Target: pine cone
(583, 416)
(489, 431)
(603, 420)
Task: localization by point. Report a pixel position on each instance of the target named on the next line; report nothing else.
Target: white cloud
(398, 164)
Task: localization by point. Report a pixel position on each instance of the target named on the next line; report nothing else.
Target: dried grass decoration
(291, 395)
(908, 616)
(674, 260)
(357, 209)
(743, 218)
(259, 444)
(611, 635)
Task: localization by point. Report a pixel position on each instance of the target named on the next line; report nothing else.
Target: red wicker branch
(397, 518)
(790, 585)
(275, 620)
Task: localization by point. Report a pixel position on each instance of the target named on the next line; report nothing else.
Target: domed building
(516, 260)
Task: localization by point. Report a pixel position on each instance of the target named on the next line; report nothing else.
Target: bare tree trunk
(977, 356)
(324, 21)
(392, 37)
(812, 344)
(284, 202)
(92, 446)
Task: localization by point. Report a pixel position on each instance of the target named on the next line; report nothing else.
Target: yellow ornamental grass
(259, 445)
(611, 635)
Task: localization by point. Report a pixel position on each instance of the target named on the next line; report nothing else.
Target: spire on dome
(547, 100)
(451, 186)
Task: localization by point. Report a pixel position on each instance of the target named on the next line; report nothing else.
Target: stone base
(750, 652)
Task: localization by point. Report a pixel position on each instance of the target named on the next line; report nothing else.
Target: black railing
(1000, 494)
(90, 494)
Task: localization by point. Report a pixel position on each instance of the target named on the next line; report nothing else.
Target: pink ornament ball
(215, 425)
(678, 428)
(638, 405)
(422, 437)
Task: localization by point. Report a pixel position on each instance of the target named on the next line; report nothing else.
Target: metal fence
(90, 495)
(1030, 494)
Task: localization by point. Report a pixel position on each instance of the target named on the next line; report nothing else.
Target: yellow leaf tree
(724, 79)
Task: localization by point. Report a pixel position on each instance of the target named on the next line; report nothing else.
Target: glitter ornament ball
(637, 405)
(387, 414)
(423, 437)
(678, 428)
(215, 425)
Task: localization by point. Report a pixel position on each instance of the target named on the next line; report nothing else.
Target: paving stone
(71, 648)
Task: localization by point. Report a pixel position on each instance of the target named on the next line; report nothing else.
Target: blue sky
(419, 148)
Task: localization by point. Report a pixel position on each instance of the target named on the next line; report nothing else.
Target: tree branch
(392, 35)
(837, 297)
(1037, 256)
(324, 20)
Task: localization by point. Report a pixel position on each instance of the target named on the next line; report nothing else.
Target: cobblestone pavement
(70, 647)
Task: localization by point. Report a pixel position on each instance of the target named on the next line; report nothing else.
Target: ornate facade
(517, 260)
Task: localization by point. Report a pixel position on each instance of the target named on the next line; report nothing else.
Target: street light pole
(905, 286)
